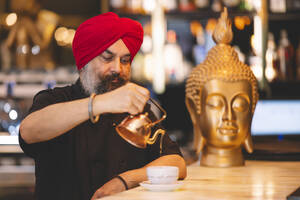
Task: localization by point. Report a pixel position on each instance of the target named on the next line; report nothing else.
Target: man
(78, 158)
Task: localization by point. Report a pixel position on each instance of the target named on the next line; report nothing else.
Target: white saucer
(161, 187)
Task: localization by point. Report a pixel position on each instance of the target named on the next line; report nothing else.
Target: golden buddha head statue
(221, 94)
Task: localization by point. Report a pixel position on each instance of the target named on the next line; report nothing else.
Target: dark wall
(82, 7)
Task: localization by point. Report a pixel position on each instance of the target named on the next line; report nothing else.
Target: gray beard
(91, 83)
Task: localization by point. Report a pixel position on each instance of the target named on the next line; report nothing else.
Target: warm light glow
(70, 37)
(241, 22)
(149, 5)
(24, 49)
(35, 49)
(270, 189)
(147, 44)
(6, 107)
(255, 63)
(211, 24)
(257, 71)
(64, 36)
(247, 20)
(148, 67)
(270, 71)
(61, 34)
(12, 130)
(134, 4)
(9, 140)
(11, 19)
(196, 28)
(158, 36)
(13, 115)
(173, 62)
(257, 4)
(171, 36)
(256, 40)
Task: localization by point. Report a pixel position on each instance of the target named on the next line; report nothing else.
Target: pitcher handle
(161, 109)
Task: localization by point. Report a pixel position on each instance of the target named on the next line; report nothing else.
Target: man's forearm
(53, 120)
(56, 119)
(134, 177)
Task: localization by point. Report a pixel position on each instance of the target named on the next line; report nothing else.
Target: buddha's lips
(228, 130)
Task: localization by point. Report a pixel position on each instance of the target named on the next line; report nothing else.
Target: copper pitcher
(136, 129)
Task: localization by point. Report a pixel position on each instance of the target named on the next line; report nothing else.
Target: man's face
(109, 70)
(226, 116)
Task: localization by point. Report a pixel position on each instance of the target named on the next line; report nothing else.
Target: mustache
(111, 82)
(115, 77)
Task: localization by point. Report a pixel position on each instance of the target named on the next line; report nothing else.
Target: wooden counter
(263, 180)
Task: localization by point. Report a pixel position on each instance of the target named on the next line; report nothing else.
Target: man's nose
(116, 65)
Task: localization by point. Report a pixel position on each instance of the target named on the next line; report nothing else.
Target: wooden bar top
(264, 180)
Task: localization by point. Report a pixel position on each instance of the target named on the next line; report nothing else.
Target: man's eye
(107, 58)
(125, 61)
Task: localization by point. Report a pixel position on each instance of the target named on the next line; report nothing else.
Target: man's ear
(198, 141)
(248, 144)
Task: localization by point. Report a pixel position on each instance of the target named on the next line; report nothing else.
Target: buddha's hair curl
(221, 63)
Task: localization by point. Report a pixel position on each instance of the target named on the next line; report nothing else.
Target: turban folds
(96, 34)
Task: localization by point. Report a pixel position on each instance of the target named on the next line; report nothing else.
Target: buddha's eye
(240, 104)
(215, 102)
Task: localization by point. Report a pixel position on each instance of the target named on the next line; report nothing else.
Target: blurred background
(35, 54)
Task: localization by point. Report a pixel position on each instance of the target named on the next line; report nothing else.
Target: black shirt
(77, 163)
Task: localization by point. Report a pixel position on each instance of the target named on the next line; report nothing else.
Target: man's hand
(113, 186)
(136, 176)
(129, 98)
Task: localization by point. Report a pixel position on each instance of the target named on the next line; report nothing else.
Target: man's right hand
(129, 98)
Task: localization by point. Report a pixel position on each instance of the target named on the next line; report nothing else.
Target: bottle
(10, 115)
(199, 51)
(173, 59)
(285, 55)
(209, 29)
(271, 70)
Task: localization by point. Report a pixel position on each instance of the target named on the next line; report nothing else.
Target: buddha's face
(226, 116)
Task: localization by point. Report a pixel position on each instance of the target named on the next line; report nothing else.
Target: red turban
(96, 34)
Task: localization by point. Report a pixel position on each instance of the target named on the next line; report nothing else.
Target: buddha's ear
(198, 141)
(248, 144)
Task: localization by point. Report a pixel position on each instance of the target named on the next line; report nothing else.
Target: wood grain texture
(263, 180)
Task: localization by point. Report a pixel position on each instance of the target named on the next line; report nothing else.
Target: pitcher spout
(154, 137)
